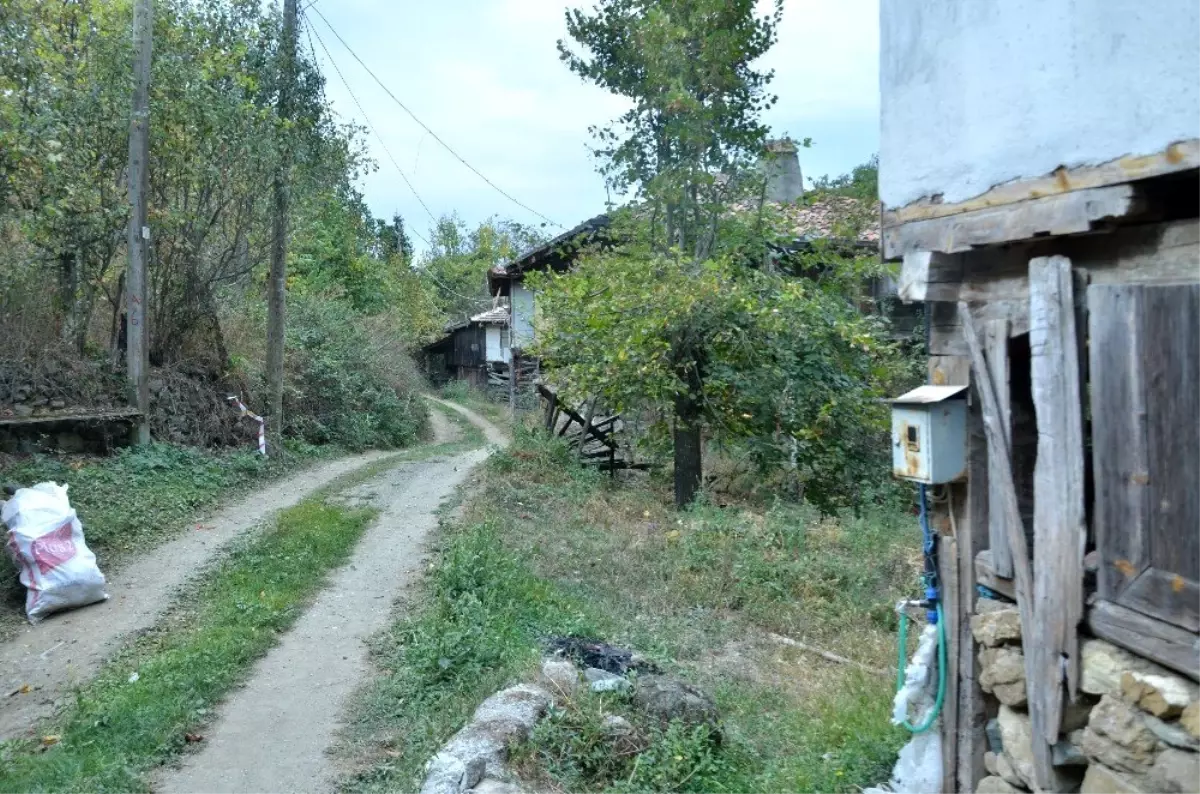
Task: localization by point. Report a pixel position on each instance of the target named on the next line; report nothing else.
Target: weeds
(121, 724)
(547, 547)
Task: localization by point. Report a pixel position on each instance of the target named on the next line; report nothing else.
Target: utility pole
(137, 334)
(277, 282)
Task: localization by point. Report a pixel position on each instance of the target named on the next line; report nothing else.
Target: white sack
(45, 540)
(919, 766)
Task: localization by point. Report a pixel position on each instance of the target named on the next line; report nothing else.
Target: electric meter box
(929, 434)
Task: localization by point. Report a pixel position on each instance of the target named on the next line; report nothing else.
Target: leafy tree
(459, 258)
(861, 183)
(693, 128)
(790, 369)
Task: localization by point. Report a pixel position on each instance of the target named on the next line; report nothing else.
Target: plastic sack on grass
(45, 540)
(918, 767)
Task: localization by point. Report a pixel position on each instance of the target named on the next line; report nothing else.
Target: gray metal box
(929, 434)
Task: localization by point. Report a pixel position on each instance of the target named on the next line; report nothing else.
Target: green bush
(347, 385)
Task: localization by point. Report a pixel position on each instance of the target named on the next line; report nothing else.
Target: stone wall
(1134, 728)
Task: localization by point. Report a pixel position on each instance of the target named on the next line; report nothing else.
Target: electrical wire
(433, 134)
(309, 30)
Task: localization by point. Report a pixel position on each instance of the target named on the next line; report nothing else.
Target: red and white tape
(262, 423)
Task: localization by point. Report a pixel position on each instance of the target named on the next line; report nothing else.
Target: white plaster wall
(496, 349)
(975, 93)
(522, 316)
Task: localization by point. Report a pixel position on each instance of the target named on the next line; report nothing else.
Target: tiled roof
(830, 217)
(823, 217)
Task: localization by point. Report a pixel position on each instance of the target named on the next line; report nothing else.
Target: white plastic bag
(45, 540)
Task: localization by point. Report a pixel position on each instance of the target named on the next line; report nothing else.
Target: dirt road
(68, 649)
(272, 735)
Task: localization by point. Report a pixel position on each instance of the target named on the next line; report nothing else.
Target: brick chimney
(781, 165)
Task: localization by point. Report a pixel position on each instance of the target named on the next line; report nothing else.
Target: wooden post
(1047, 777)
(587, 423)
(1059, 531)
(953, 615)
(137, 335)
(277, 281)
(996, 345)
(972, 537)
(512, 384)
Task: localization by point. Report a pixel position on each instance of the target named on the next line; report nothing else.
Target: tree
(693, 129)
(459, 258)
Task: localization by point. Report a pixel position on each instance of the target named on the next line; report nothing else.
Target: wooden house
(475, 350)
(1039, 174)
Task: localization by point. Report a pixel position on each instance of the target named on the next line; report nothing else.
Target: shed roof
(556, 252)
(497, 315)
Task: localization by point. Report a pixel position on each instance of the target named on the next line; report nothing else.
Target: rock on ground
(1017, 735)
(560, 677)
(670, 699)
(478, 751)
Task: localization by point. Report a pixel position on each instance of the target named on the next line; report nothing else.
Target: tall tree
(694, 126)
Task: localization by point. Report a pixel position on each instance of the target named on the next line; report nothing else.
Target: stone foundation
(1135, 727)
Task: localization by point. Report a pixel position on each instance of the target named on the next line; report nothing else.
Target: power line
(425, 127)
(407, 181)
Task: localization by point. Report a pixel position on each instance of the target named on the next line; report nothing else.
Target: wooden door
(1145, 400)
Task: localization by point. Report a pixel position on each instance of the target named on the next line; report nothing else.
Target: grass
(139, 497)
(547, 548)
(477, 400)
(120, 726)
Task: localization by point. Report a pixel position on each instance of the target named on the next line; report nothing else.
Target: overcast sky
(485, 76)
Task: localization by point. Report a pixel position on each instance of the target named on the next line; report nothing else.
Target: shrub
(348, 384)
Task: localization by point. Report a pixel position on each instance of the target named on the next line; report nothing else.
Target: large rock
(995, 622)
(1102, 665)
(670, 699)
(1117, 737)
(1099, 779)
(1164, 696)
(1002, 673)
(1006, 770)
(1176, 771)
(481, 748)
(1017, 734)
(1190, 719)
(995, 785)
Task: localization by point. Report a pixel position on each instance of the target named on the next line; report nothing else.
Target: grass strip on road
(156, 695)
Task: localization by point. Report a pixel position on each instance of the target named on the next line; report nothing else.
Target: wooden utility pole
(277, 286)
(137, 335)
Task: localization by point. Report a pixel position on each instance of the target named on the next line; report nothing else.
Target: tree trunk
(687, 450)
